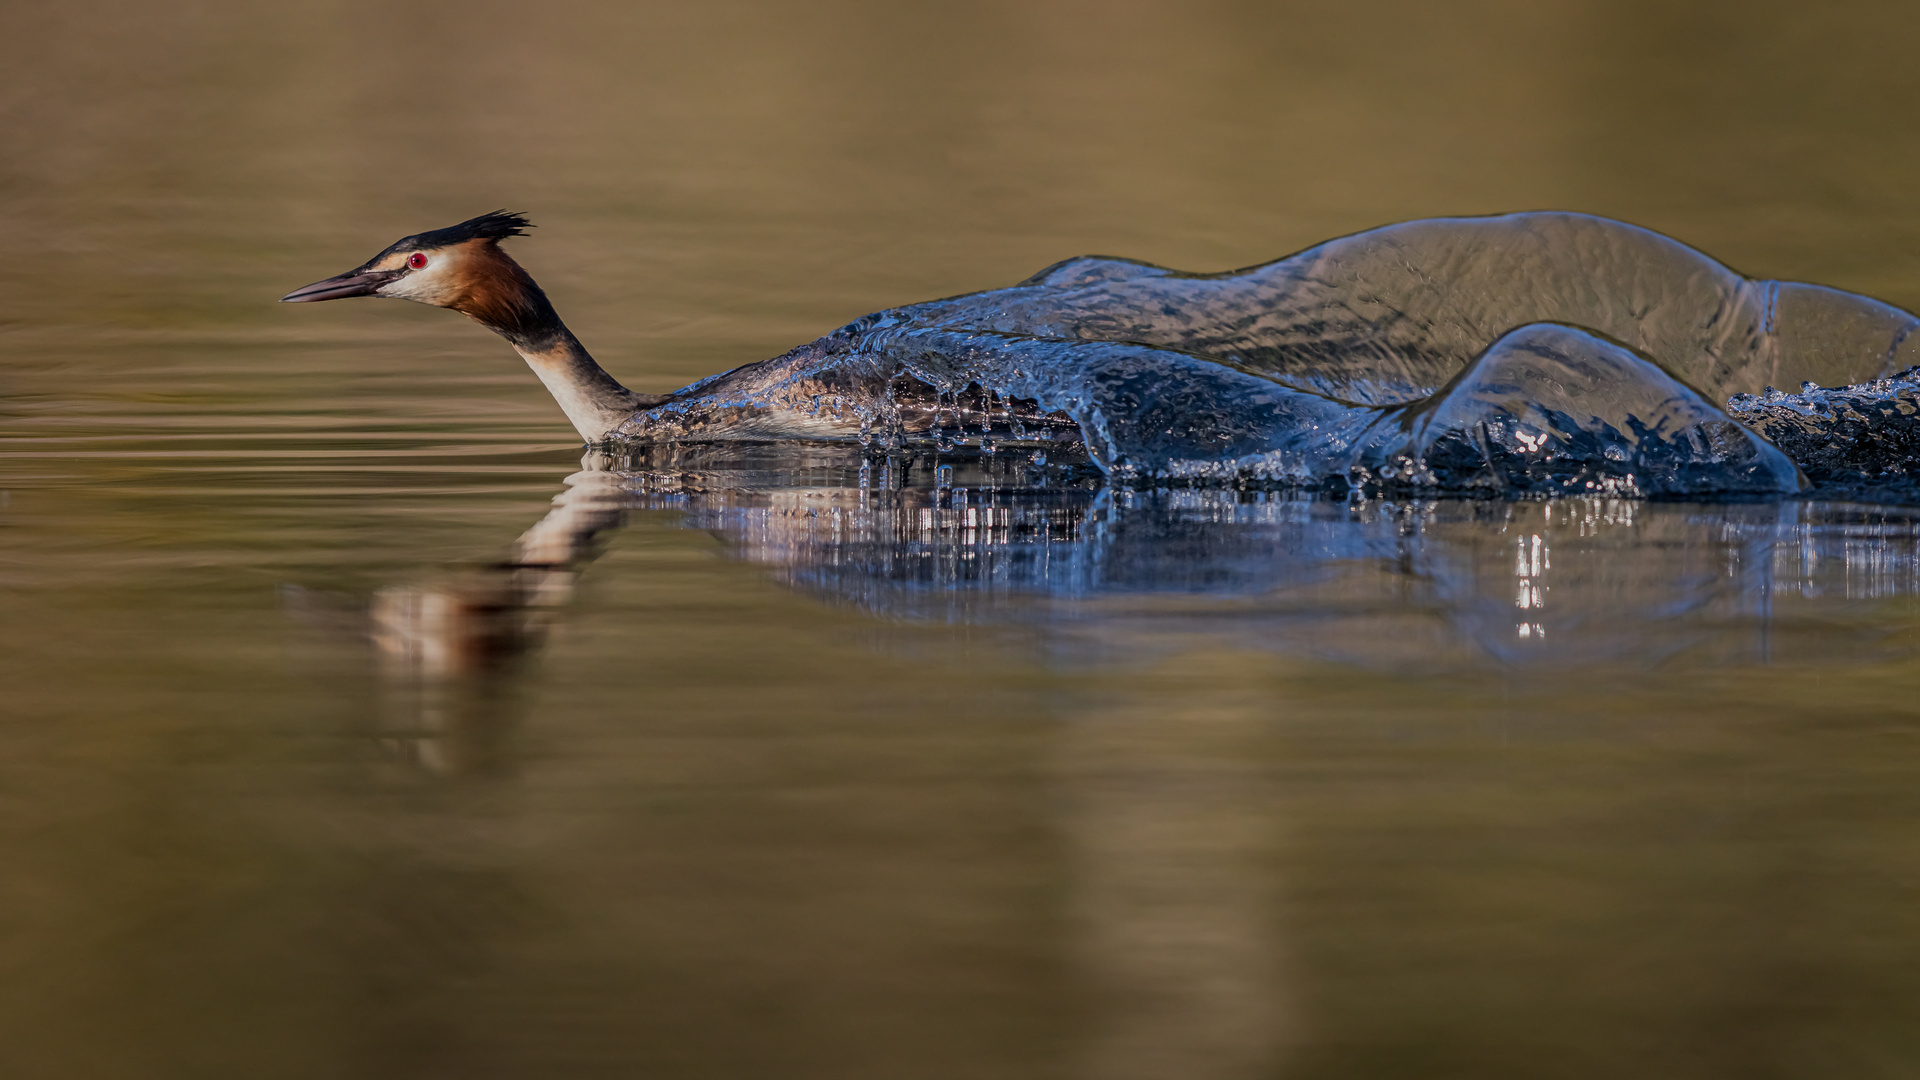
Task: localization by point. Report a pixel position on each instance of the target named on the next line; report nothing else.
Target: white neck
(591, 398)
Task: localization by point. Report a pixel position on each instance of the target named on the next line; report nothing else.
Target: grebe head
(459, 267)
(463, 268)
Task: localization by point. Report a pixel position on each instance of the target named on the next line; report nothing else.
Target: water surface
(776, 775)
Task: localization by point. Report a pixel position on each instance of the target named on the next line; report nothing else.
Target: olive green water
(722, 823)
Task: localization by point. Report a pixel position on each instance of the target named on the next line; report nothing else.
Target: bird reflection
(1107, 572)
(1015, 540)
(449, 647)
(487, 617)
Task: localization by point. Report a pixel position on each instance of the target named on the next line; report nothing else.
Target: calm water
(988, 773)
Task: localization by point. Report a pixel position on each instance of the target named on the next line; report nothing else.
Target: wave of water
(1528, 354)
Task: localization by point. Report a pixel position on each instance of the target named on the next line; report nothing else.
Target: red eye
(416, 261)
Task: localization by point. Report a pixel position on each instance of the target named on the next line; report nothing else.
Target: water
(317, 764)
(1523, 354)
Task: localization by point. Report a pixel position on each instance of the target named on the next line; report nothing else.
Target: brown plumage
(496, 292)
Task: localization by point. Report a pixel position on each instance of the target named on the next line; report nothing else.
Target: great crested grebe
(463, 268)
(1521, 352)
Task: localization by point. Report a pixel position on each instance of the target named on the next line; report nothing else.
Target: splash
(1862, 440)
(1524, 355)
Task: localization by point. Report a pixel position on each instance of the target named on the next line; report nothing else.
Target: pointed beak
(351, 283)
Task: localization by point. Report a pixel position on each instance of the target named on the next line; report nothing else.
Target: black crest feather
(497, 225)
